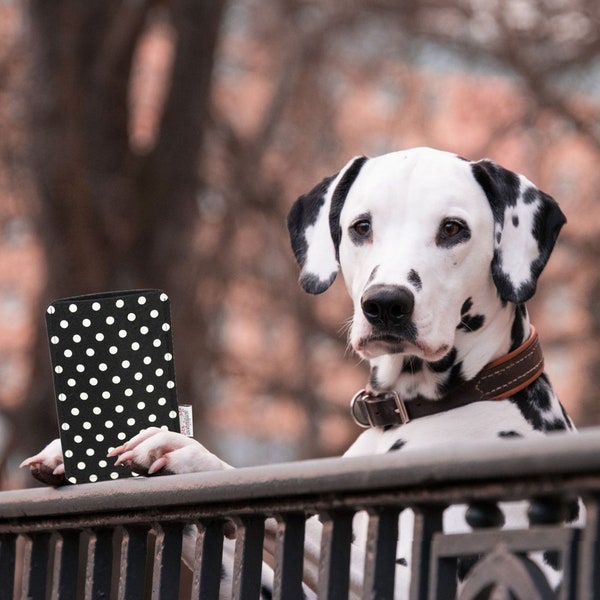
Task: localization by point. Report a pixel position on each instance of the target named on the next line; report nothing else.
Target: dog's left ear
(527, 223)
(314, 227)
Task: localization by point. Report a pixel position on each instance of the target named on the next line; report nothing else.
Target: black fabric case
(114, 375)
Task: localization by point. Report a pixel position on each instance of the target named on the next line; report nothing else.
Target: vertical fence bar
(7, 565)
(98, 568)
(589, 560)
(206, 583)
(35, 566)
(334, 567)
(132, 566)
(289, 556)
(428, 521)
(247, 565)
(380, 563)
(167, 561)
(66, 563)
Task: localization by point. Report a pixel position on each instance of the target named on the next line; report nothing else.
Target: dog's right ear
(313, 225)
(527, 224)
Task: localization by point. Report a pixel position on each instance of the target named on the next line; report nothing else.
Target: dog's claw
(47, 466)
(46, 471)
(157, 465)
(125, 458)
(27, 462)
(116, 451)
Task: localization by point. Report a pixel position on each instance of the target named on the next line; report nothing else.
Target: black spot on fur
(555, 425)
(515, 220)
(412, 365)
(265, 593)
(415, 280)
(466, 307)
(530, 413)
(339, 198)
(553, 559)
(315, 285)
(439, 366)
(517, 332)
(540, 394)
(509, 434)
(531, 194)
(533, 401)
(397, 445)
(455, 378)
(304, 213)
(500, 185)
(471, 322)
(547, 223)
(402, 562)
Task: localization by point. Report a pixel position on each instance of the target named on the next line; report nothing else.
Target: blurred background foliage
(160, 143)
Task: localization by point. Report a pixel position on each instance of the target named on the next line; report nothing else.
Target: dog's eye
(451, 232)
(451, 228)
(362, 228)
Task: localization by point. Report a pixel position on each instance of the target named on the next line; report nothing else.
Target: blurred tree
(111, 217)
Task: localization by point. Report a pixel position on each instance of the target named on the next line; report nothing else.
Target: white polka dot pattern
(112, 361)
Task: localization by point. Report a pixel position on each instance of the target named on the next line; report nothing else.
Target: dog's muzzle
(388, 307)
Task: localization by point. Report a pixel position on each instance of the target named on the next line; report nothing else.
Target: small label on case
(186, 420)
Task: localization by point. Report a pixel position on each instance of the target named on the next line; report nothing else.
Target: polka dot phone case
(112, 362)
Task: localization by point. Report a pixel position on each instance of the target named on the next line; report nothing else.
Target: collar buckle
(401, 408)
(370, 410)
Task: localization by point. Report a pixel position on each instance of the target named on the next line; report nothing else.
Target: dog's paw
(155, 451)
(47, 466)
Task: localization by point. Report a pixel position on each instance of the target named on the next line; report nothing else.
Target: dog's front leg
(155, 451)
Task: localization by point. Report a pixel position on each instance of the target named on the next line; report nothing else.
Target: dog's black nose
(387, 305)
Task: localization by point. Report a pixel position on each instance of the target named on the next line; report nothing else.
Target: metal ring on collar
(355, 398)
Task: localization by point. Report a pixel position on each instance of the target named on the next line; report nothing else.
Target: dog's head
(417, 234)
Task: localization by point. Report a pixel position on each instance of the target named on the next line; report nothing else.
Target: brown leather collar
(498, 380)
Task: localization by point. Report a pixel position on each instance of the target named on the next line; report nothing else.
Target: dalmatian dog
(439, 255)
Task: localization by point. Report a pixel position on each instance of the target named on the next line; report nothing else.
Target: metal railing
(92, 540)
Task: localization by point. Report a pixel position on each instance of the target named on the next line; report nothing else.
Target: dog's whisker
(465, 325)
(345, 329)
(345, 326)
